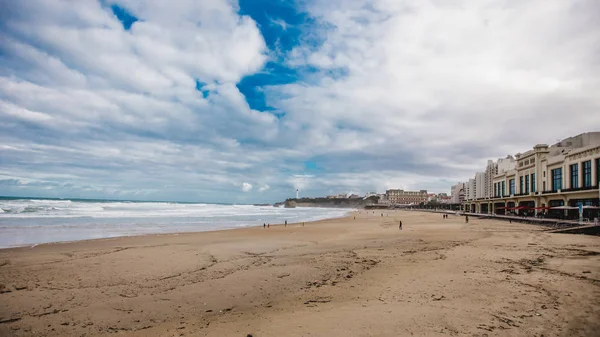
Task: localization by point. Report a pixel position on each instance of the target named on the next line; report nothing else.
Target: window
(527, 183)
(503, 188)
(511, 186)
(533, 182)
(574, 176)
(597, 171)
(521, 185)
(587, 173)
(556, 179)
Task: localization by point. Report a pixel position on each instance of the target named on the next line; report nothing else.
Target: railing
(575, 189)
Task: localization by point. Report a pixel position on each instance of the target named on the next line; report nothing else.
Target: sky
(246, 101)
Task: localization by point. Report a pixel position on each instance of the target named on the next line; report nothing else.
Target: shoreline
(30, 246)
(344, 276)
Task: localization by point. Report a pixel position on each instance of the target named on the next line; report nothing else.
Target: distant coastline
(328, 202)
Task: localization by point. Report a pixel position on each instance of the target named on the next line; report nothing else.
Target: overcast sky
(227, 101)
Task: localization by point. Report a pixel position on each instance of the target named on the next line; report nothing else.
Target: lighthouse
(296, 193)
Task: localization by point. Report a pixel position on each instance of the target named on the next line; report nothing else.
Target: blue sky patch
(283, 26)
(280, 22)
(126, 18)
(200, 87)
(273, 74)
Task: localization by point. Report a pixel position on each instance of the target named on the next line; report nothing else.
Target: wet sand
(341, 277)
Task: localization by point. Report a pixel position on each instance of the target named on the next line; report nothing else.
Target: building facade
(564, 174)
(470, 189)
(457, 193)
(480, 185)
(402, 197)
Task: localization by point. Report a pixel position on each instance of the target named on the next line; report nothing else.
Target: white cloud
(246, 187)
(422, 93)
(432, 76)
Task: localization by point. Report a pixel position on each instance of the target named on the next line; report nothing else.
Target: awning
(518, 208)
(565, 207)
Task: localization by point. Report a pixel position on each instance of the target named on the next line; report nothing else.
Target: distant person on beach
(466, 218)
(264, 225)
(400, 225)
(268, 225)
(285, 223)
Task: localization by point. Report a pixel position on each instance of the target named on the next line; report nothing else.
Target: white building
(479, 185)
(490, 171)
(470, 189)
(457, 193)
(545, 177)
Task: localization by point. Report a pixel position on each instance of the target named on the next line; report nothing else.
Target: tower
(296, 193)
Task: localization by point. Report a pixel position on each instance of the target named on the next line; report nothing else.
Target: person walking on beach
(466, 218)
(264, 225)
(268, 225)
(400, 225)
(285, 223)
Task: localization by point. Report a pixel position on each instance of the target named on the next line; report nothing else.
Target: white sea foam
(27, 222)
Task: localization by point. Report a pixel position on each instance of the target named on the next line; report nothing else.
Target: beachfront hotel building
(402, 197)
(564, 175)
(457, 193)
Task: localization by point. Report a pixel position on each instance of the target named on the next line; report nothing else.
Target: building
(383, 200)
(470, 188)
(403, 197)
(480, 185)
(564, 174)
(354, 196)
(444, 198)
(490, 172)
(457, 193)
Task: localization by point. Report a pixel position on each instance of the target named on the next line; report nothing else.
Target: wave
(23, 222)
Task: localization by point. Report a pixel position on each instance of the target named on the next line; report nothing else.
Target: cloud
(184, 102)
(246, 187)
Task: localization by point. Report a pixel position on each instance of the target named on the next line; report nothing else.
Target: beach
(340, 277)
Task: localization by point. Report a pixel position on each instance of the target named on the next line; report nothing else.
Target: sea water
(33, 221)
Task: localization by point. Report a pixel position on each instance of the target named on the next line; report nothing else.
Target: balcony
(577, 189)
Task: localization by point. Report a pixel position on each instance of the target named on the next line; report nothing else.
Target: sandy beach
(341, 277)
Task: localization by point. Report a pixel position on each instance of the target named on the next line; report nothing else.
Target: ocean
(26, 222)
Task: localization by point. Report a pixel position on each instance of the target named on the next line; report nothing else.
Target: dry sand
(340, 277)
